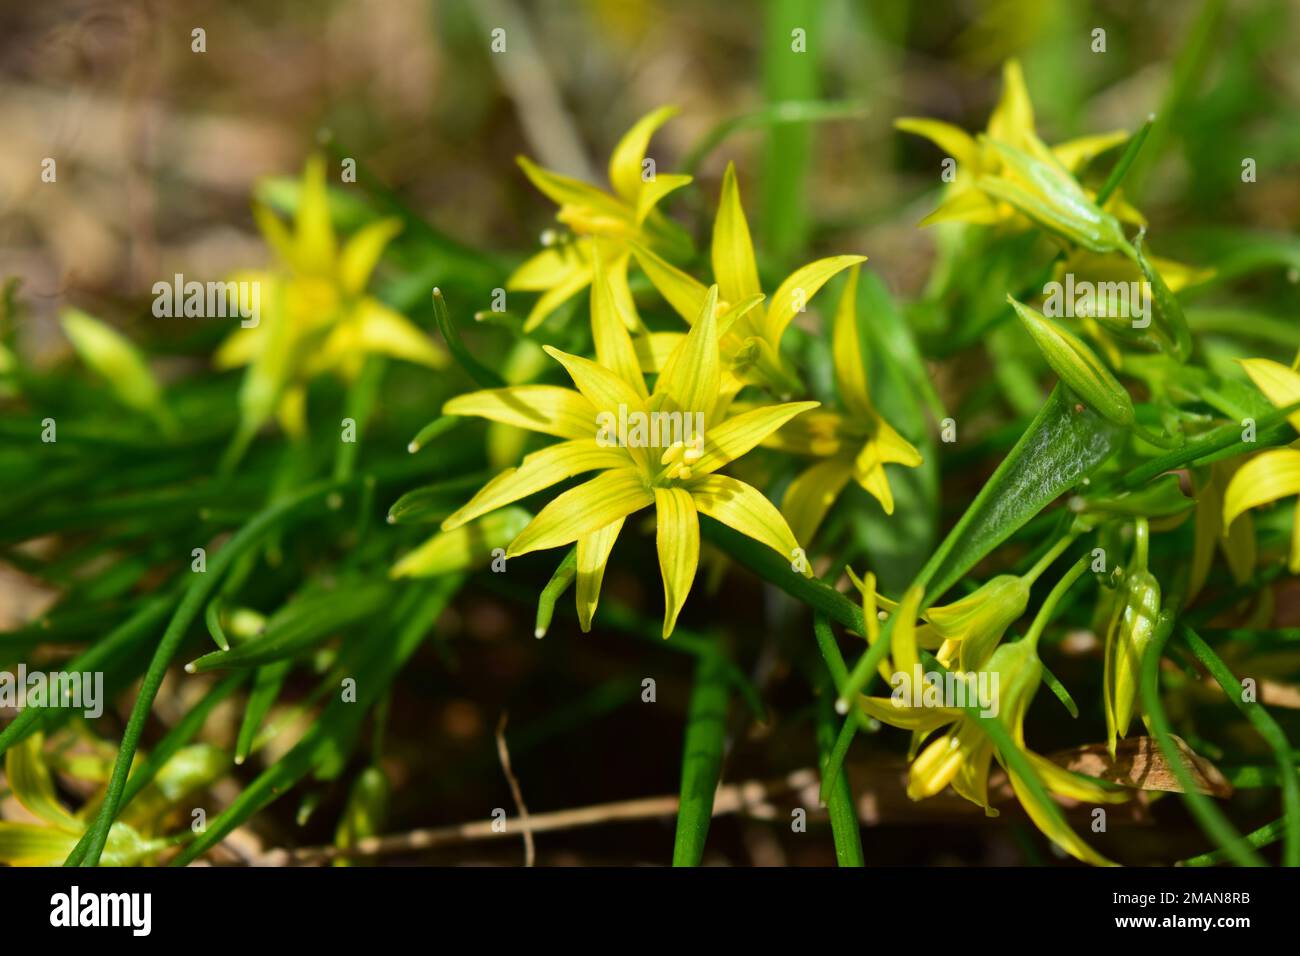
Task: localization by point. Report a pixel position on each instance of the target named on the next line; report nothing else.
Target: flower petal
(579, 511)
(609, 330)
(548, 409)
(567, 191)
(1270, 475)
(604, 389)
(385, 332)
(953, 140)
(1012, 120)
(738, 434)
(846, 351)
(1280, 384)
(734, 266)
(812, 493)
(694, 372)
(681, 291)
(906, 717)
(314, 246)
(797, 291)
(1053, 827)
(744, 508)
(626, 161)
(593, 553)
(677, 538)
(29, 780)
(463, 547)
(539, 470)
(655, 190)
(363, 251)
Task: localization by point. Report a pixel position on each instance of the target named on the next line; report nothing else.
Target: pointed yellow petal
(654, 349)
(1073, 785)
(556, 296)
(885, 446)
(1281, 385)
(363, 251)
(28, 778)
(740, 433)
(846, 351)
(582, 510)
(812, 493)
(604, 389)
(548, 409)
(291, 412)
(625, 163)
(677, 538)
(239, 348)
(614, 348)
(679, 290)
(744, 508)
(1270, 475)
(31, 844)
(385, 332)
(551, 267)
(539, 470)
(965, 205)
(1013, 117)
(567, 191)
(734, 266)
(112, 356)
(593, 554)
(314, 246)
(1077, 153)
(902, 645)
(797, 291)
(275, 232)
(694, 372)
(655, 190)
(901, 715)
(1053, 827)
(463, 548)
(953, 140)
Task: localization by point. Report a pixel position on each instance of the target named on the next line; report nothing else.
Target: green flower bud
(1078, 366)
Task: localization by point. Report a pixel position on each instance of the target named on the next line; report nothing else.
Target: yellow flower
(856, 443)
(315, 314)
(1271, 474)
(752, 332)
(131, 840)
(113, 356)
(1009, 175)
(964, 632)
(604, 223)
(660, 447)
(962, 755)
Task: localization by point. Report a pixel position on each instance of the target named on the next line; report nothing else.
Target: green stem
(706, 726)
(1210, 817)
(845, 829)
(1044, 615)
(1267, 728)
(1054, 552)
(190, 607)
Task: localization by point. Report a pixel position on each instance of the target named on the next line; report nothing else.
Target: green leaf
(1063, 445)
